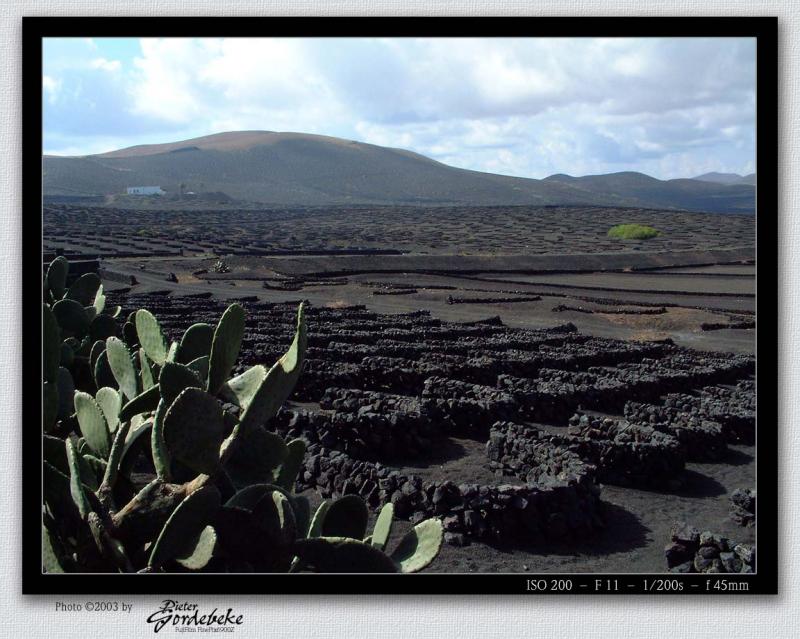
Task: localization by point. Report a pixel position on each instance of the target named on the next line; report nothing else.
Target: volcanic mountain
(727, 178)
(298, 169)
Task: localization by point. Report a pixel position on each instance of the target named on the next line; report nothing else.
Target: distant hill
(638, 189)
(727, 178)
(296, 169)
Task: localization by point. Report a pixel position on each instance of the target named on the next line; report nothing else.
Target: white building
(145, 190)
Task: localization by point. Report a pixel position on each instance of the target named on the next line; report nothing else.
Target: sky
(529, 107)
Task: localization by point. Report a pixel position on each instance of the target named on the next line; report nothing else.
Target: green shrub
(633, 232)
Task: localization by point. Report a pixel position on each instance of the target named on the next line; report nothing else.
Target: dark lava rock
(730, 562)
(471, 519)
(408, 488)
(701, 564)
(716, 566)
(451, 524)
(685, 534)
(401, 504)
(708, 552)
(746, 553)
(684, 567)
(456, 539)
(677, 554)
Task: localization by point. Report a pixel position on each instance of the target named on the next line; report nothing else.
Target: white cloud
(241, 83)
(51, 87)
(105, 65)
(632, 65)
(163, 84)
(526, 107)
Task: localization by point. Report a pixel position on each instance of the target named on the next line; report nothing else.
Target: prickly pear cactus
(151, 402)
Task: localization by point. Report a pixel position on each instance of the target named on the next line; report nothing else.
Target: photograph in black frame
(580, 418)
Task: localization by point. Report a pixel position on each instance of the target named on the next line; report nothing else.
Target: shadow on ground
(445, 450)
(700, 485)
(623, 533)
(738, 458)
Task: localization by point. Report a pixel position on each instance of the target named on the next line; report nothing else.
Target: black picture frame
(764, 29)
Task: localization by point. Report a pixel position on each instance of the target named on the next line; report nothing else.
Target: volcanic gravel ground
(457, 263)
(637, 520)
(700, 283)
(718, 269)
(638, 524)
(682, 322)
(638, 527)
(401, 259)
(429, 230)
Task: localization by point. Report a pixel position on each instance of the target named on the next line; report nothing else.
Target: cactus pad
(150, 336)
(57, 276)
(129, 335)
(97, 348)
(55, 453)
(145, 372)
(315, 527)
(92, 470)
(248, 497)
(99, 302)
(157, 444)
(174, 378)
(71, 317)
(103, 376)
(67, 355)
(102, 327)
(194, 430)
(50, 558)
(184, 525)
(75, 483)
(383, 527)
(419, 546)
(49, 406)
(66, 389)
(261, 401)
(295, 451)
(84, 289)
(91, 313)
(242, 389)
(57, 492)
(135, 443)
(225, 346)
(52, 344)
(142, 403)
(196, 342)
(93, 424)
(274, 516)
(119, 359)
(302, 513)
(202, 550)
(199, 366)
(280, 379)
(110, 403)
(342, 554)
(256, 459)
(346, 517)
(172, 352)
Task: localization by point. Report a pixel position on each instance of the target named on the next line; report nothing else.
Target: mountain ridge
(301, 169)
(727, 178)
